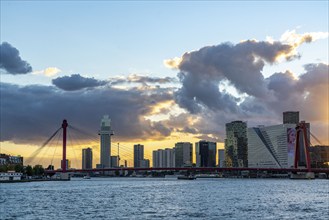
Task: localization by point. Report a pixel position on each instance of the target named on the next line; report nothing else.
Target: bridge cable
(52, 159)
(37, 151)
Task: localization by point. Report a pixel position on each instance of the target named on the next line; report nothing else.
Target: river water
(156, 198)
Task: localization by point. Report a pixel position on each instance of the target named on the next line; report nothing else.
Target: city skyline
(160, 82)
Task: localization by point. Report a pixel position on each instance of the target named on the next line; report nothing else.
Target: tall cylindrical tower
(105, 142)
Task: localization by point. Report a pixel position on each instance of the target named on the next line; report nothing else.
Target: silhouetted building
(105, 139)
(290, 117)
(138, 154)
(68, 164)
(221, 158)
(87, 158)
(144, 163)
(205, 153)
(114, 161)
(155, 159)
(319, 156)
(236, 144)
(183, 154)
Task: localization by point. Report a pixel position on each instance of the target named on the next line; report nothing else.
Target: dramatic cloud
(30, 114)
(219, 84)
(11, 61)
(49, 72)
(242, 64)
(142, 79)
(76, 82)
(258, 100)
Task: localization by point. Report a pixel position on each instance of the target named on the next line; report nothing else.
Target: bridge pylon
(64, 126)
(301, 131)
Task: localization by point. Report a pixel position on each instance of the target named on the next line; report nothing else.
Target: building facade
(236, 144)
(87, 158)
(145, 163)
(6, 159)
(164, 158)
(271, 146)
(221, 158)
(114, 161)
(205, 153)
(319, 156)
(138, 154)
(105, 139)
(183, 154)
(290, 117)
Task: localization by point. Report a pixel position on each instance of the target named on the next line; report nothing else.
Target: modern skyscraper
(164, 158)
(205, 153)
(87, 158)
(155, 159)
(290, 117)
(138, 154)
(236, 144)
(271, 146)
(221, 158)
(105, 139)
(183, 154)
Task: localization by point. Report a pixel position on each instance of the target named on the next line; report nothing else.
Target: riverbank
(30, 180)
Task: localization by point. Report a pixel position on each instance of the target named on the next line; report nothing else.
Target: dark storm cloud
(30, 114)
(241, 64)
(11, 62)
(76, 82)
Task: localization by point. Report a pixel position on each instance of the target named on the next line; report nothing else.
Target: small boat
(86, 177)
(190, 177)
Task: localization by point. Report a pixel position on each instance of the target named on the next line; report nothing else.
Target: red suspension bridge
(301, 134)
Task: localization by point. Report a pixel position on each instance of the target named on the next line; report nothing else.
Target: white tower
(105, 139)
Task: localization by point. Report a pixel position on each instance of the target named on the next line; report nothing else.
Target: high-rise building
(236, 144)
(105, 139)
(271, 146)
(183, 154)
(138, 154)
(221, 158)
(114, 161)
(205, 153)
(87, 158)
(155, 159)
(145, 163)
(169, 157)
(164, 158)
(290, 117)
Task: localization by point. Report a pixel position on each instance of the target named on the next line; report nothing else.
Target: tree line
(36, 170)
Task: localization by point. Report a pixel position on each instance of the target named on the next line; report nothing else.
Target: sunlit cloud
(49, 72)
(295, 39)
(173, 63)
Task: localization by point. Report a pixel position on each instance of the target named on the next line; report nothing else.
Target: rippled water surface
(152, 198)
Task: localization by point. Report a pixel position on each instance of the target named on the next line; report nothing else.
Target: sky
(164, 71)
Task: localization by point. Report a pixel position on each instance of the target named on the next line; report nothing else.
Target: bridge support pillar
(64, 126)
